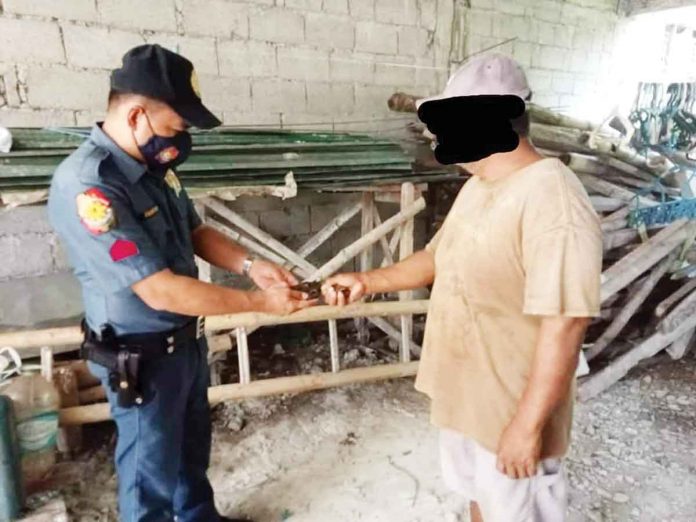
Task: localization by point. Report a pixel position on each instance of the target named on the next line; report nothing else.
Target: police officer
(131, 232)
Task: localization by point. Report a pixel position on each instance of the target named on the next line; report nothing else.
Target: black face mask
(163, 153)
(471, 128)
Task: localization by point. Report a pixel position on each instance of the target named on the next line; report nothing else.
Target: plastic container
(11, 491)
(36, 405)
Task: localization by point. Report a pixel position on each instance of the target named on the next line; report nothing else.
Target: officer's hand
(266, 274)
(280, 300)
(342, 289)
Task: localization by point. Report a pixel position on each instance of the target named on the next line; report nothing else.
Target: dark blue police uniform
(120, 224)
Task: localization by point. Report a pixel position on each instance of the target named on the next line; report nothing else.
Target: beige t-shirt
(510, 251)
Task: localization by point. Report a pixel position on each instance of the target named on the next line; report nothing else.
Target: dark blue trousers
(163, 448)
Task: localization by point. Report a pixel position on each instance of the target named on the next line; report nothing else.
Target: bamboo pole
(612, 190)
(599, 382)
(543, 115)
(408, 195)
(630, 308)
(247, 243)
(604, 166)
(328, 231)
(318, 313)
(349, 252)
(631, 266)
(282, 385)
(393, 244)
(72, 335)
(254, 231)
(387, 253)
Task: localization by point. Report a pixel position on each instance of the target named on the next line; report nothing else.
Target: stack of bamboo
(648, 300)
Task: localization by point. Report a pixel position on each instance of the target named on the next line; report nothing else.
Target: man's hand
(342, 289)
(266, 274)
(519, 451)
(280, 300)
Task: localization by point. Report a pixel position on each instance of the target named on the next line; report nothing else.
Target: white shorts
(470, 470)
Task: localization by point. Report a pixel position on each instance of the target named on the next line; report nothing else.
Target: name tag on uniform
(151, 212)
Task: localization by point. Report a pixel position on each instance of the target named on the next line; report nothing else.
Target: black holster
(123, 363)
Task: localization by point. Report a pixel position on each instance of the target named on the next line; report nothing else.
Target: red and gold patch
(95, 211)
(167, 155)
(123, 249)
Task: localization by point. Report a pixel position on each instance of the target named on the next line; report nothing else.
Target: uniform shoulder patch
(123, 249)
(95, 211)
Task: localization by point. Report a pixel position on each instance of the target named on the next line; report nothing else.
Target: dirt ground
(368, 453)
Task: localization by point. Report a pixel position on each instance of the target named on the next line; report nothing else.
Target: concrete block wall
(565, 46)
(277, 62)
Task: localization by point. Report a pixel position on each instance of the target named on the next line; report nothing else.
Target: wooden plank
(667, 303)
(681, 312)
(631, 266)
(681, 346)
(634, 302)
(603, 379)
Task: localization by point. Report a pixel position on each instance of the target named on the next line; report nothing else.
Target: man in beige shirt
(516, 276)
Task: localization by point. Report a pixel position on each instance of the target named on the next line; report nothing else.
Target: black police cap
(155, 72)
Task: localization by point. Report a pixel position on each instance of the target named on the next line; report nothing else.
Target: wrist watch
(246, 266)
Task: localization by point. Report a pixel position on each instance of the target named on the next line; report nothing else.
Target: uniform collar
(129, 166)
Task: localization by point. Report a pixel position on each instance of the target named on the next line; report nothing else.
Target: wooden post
(408, 196)
(333, 344)
(599, 382)
(243, 356)
(65, 380)
(366, 256)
